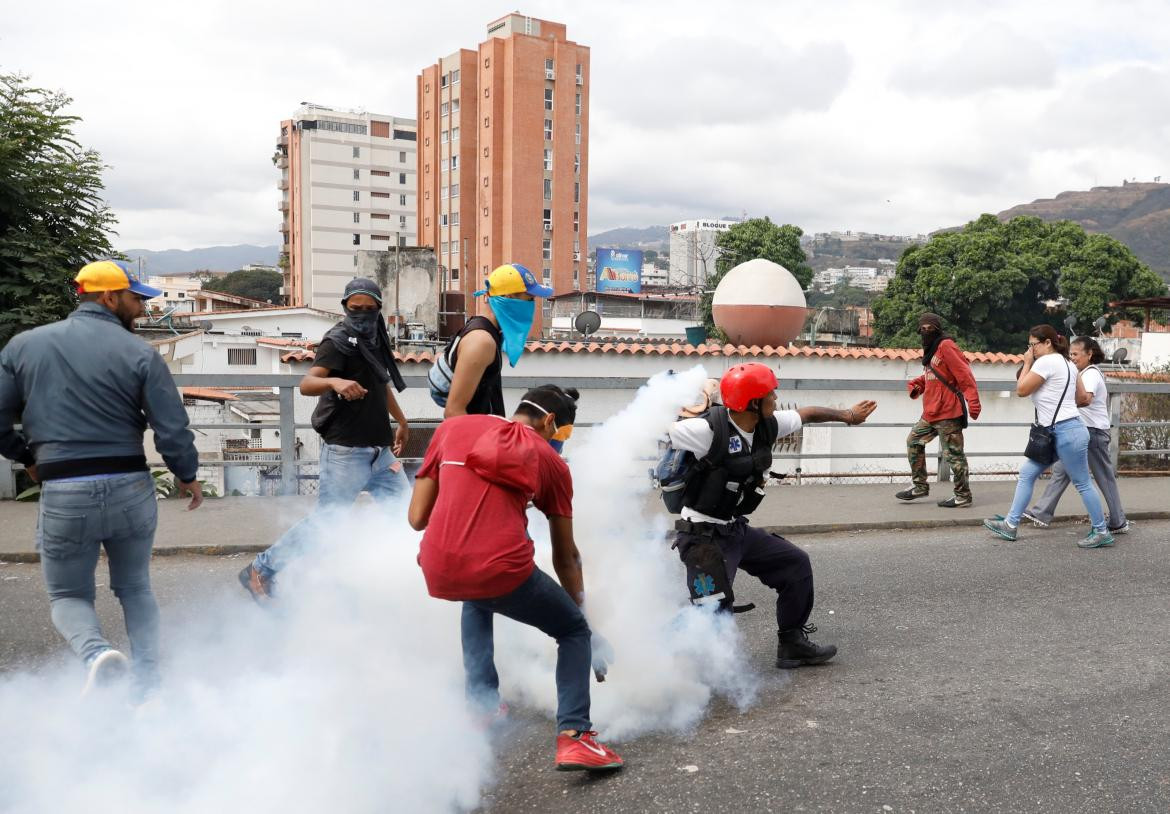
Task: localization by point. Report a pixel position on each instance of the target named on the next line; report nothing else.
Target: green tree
(256, 284)
(52, 217)
(841, 295)
(749, 240)
(991, 281)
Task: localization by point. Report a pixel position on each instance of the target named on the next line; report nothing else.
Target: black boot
(795, 649)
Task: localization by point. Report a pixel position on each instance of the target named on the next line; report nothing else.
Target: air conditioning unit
(576, 255)
(548, 74)
(548, 226)
(580, 79)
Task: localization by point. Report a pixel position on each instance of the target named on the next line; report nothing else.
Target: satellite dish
(587, 322)
(1069, 322)
(1119, 356)
(1099, 324)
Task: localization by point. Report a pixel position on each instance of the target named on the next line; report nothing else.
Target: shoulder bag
(1041, 442)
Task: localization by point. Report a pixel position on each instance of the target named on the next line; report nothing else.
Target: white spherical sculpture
(759, 303)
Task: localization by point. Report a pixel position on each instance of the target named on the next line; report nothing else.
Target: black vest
(729, 483)
(488, 398)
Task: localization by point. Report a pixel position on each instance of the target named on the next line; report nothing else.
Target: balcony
(282, 204)
(282, 162)
(282, 184)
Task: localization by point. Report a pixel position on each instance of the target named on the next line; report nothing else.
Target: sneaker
(1097, 539)
(256, 584)
(583, 752)
(1031, 514)
(795, 649)
(487, 720)
(955, 502)
(912, 493)
(106, 669)
(1124, 528)
(1000, 528)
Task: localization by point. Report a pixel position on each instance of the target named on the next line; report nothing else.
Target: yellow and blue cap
(513, 278)
(111, 275)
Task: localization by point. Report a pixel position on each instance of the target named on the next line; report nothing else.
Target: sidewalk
(241, 524)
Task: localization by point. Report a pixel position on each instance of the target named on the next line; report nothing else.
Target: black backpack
(676, 467)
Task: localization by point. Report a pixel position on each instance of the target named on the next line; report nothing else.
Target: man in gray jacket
(85, 389)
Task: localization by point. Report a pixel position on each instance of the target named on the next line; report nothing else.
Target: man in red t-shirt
(949, 396)
(471, 497)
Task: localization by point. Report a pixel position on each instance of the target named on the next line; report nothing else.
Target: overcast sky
(893, 117)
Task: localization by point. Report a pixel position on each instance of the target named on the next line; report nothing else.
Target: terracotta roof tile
(206, 394)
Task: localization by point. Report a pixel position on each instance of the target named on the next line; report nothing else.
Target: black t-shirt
(365, 421)
(488, 398)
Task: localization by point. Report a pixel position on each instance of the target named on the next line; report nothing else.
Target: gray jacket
(86, 388)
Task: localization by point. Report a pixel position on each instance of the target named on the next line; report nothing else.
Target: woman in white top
(1055, 389)
(1086, 354)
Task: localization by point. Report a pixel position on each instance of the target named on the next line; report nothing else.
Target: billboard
(619, 270)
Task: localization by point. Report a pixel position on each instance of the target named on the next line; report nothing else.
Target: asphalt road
(974, 675)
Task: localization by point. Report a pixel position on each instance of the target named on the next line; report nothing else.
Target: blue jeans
(345, 472)
(1072, 449)
(542, 603)
(75, 519)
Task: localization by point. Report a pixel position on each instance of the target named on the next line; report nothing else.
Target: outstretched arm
(854, 415)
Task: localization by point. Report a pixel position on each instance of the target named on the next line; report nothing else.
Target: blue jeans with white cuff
(1072, 449)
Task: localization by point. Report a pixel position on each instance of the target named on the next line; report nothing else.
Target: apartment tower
(503, 156)
(347, 182)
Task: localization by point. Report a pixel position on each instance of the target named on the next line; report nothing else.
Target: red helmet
(743, 383)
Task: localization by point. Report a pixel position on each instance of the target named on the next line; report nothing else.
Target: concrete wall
(416, 296)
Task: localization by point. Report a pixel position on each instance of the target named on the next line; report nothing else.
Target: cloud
(991, 58)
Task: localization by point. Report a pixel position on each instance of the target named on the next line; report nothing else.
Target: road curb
(808, 528)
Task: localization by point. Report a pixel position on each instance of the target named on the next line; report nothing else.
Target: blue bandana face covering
(515, 318)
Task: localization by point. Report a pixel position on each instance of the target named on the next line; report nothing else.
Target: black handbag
(1041, 442)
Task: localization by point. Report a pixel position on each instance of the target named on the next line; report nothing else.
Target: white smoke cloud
(348, 693)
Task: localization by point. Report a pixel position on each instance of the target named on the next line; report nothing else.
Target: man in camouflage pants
(949, 396)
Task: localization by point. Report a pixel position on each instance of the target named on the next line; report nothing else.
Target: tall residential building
(693, 250)
(503, 156)
(348, 182)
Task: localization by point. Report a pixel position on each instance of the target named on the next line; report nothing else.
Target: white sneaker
(108, 668)
(1124, 528)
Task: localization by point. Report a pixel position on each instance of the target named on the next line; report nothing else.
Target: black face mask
(363, 323)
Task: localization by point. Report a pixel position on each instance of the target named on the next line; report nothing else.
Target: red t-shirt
(476, 544)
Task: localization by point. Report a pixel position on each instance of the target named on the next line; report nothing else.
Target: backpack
(676, 467)
(442, 372)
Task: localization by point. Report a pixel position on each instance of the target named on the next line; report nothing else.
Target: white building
(693, 251)
(348, 182)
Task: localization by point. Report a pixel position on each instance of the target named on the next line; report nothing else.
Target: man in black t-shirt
(354, 376)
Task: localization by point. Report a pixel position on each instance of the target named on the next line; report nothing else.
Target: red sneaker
(582, 751)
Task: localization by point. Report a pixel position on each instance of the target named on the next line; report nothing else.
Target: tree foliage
(52, 217)
(991, 280)
(841, 295)
(257, 284)
(749, 240)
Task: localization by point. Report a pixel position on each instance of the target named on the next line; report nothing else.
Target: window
(443, 137)
(455, 77)
(576, 221)
(548, 219)
(548, 98)
(576, 192)
(355, 259)
(546, 249)
(379, 216)
(578, 104)
(380, 173)
(487, 121)
(443, 219)
(455, 271)
(454, 162)
(578, 136)
(405, 135)
(576, 162)
(485, 152)
(379, 237)
(443, 192)
(444, 109)
(443, 81)
(402, 238)
(548, 64)
(485, 180)
(357, 194)
(548, 189)
(357, 217)
(455, 249)
(357, 239)
(485, 211)
(357, 175)
(402, 200)
(454, 134)
(241, 356)
(454, 190)
(402, 176)
(487, 93)
(427, 86)
(576, 245)
(402, 157)
(454, 105)
(547, 275)
(579, 74)
(443, 247)
(487, 63)
(427, 141)
(485, 241)
(454, 218)
(548, 129)
(428, 115)
(548, 161)
(402, 222)
(357, 152)
(181, 295)
(376, 194)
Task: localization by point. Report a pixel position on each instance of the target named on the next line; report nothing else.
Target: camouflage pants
(950, 436)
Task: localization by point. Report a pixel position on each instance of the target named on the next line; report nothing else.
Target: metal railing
(287, 386)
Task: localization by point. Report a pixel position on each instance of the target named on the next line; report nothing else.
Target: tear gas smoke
(347, 694)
